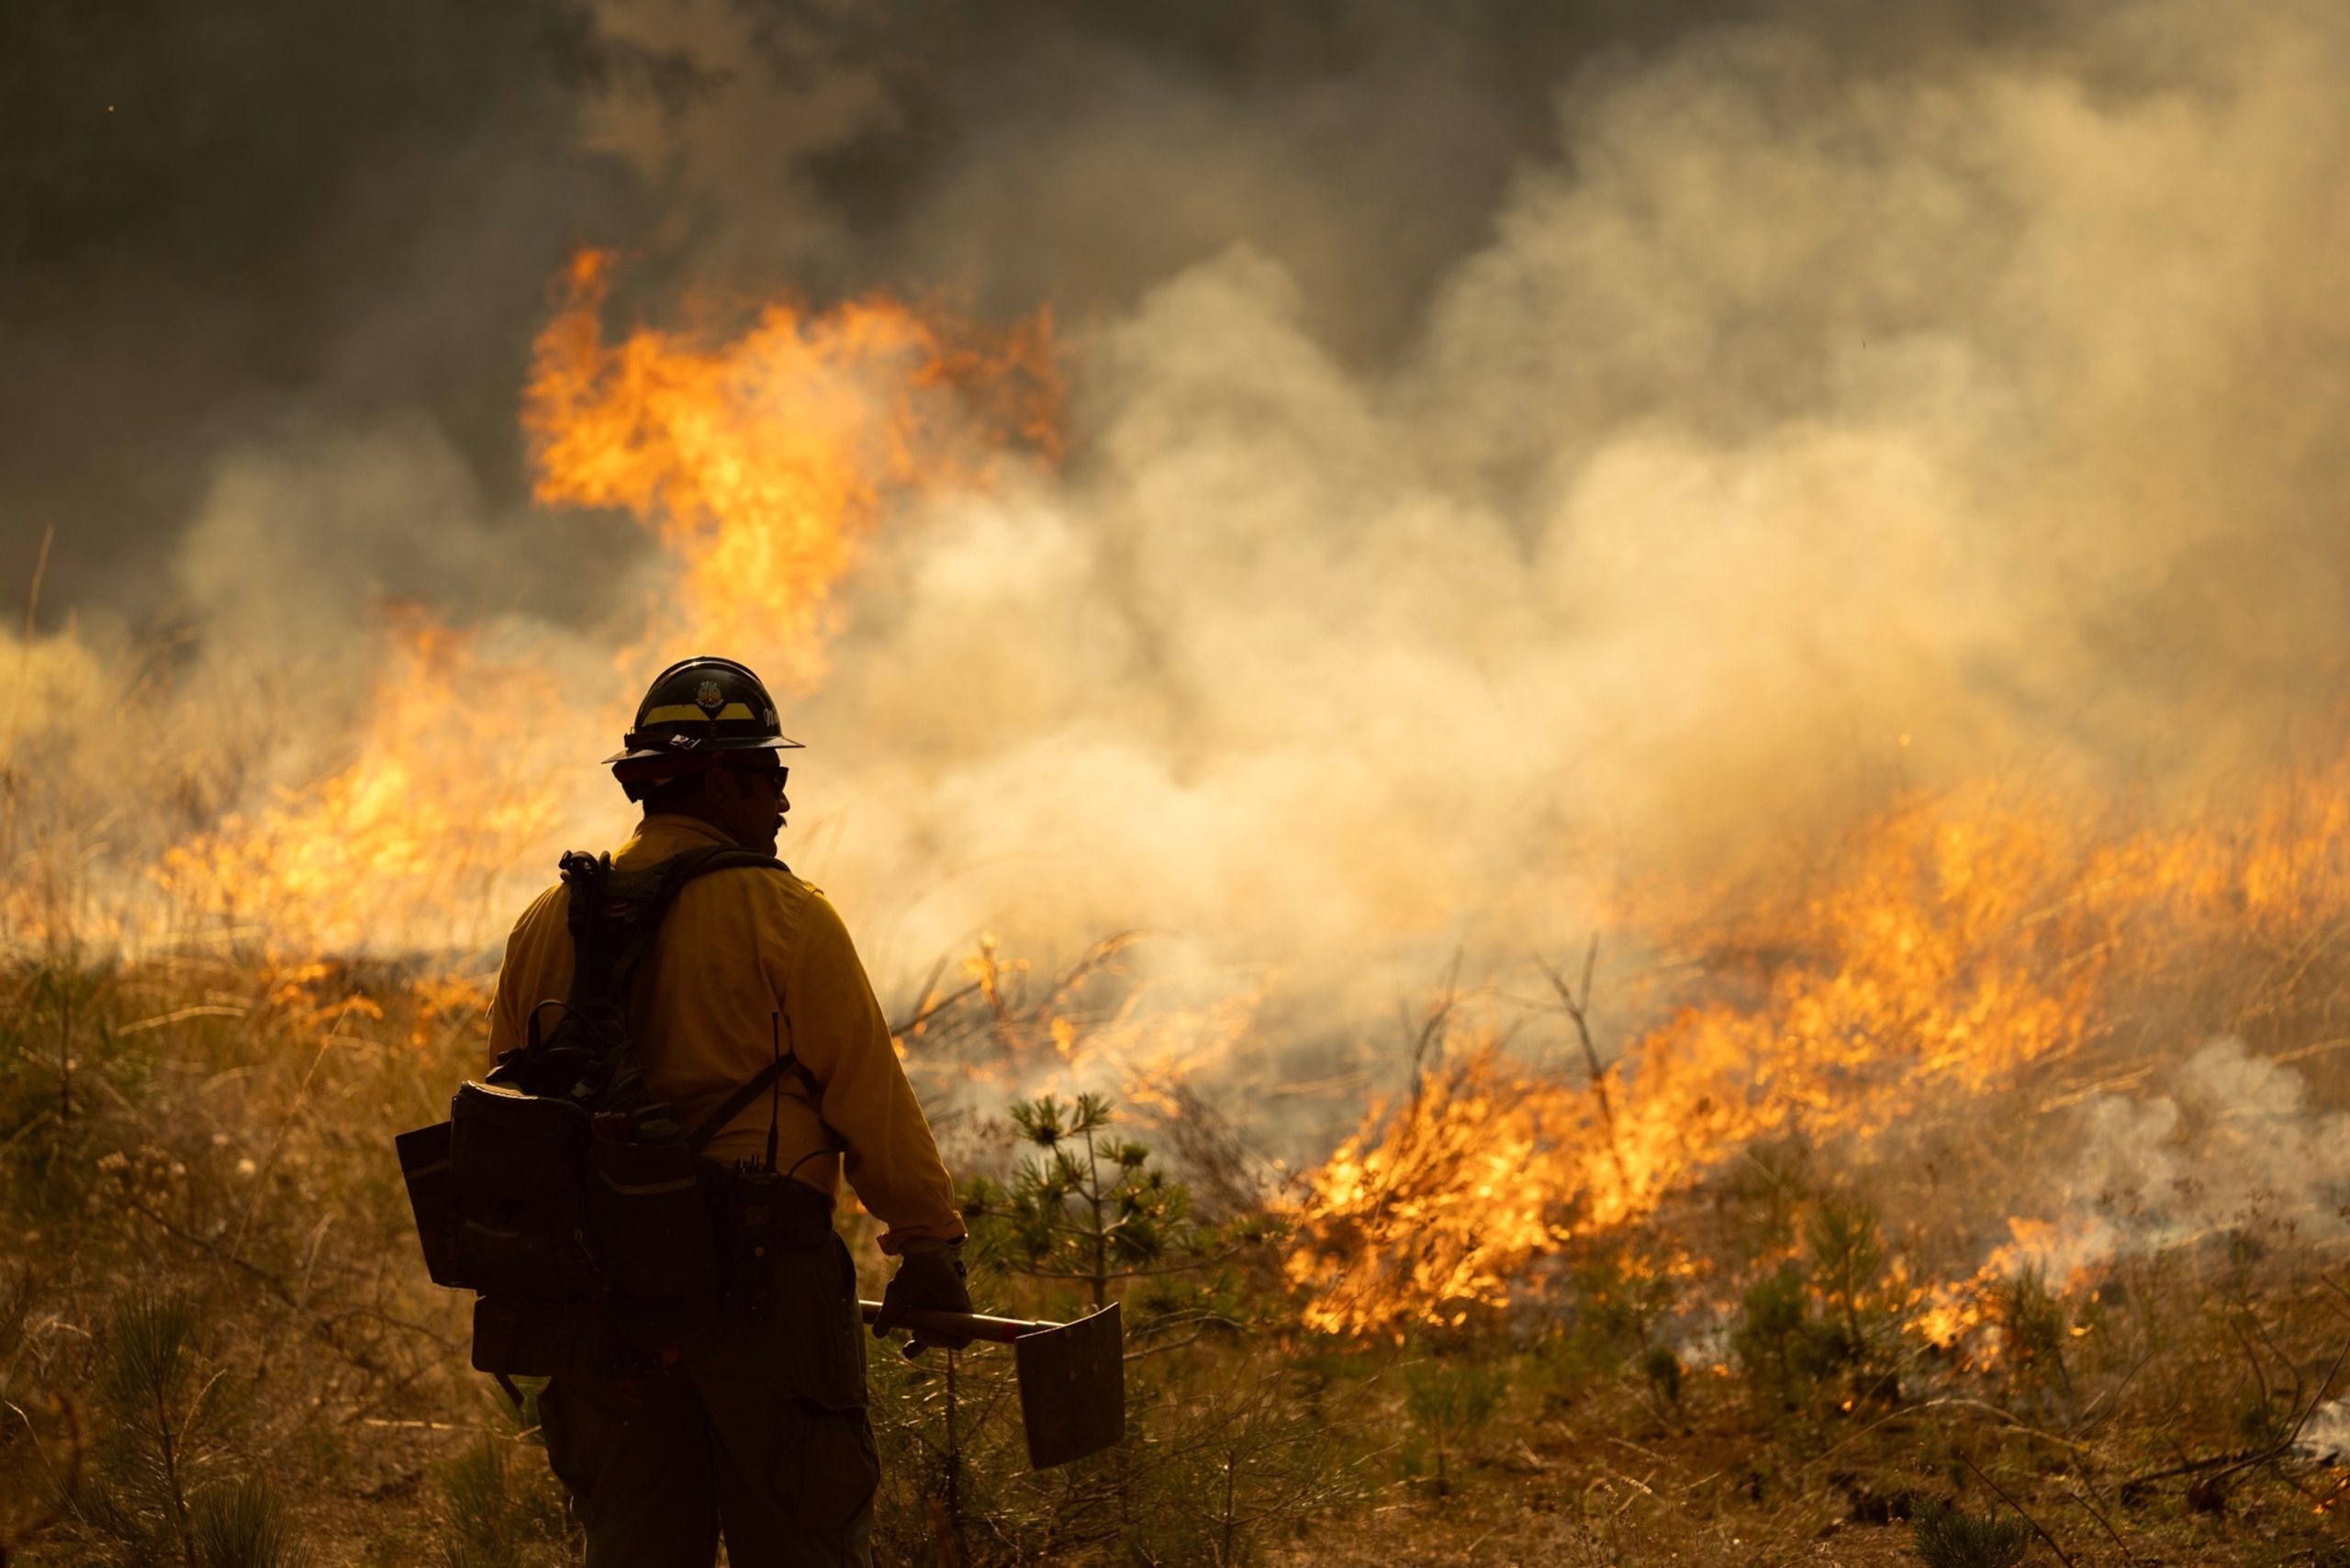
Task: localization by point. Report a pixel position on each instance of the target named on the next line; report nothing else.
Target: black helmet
(694, 711)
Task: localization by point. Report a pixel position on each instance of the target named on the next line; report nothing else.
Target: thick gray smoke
(1509, 461)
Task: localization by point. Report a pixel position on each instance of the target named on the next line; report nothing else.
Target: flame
(1964, 941)
(413, 836)
(761, 463)
(1969, 938)
(758, 463)
(1443, 1202)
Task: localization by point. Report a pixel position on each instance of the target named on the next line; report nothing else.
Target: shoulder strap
(735, 1105)
(643, 904)
(675, 874)
(614, 933)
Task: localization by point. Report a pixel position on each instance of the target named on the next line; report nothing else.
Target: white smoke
(2232, 1138)
(2325, 1436)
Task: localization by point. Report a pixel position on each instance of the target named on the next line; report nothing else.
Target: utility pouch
(432, 1197)
(516, 1164)
(523, 1336)
(652, 1230)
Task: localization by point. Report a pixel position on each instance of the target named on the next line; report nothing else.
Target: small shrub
(1623, 1297)
(1447, 1400)
(503, 1508)
(2036, 1327)
(1949, 1536)
(1250, 1459)
(1769, 1187)
(1846, 1251)
(161, 1418)
(1621, 1302)
(1088, 1207)
(1820, 1317)
(1664, 1371)
(244, 1525)
(1776, 1339)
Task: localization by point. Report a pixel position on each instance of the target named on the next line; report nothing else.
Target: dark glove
(931, 1282)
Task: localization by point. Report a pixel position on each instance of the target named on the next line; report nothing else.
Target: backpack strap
(675, 872)
(634, 903)
(615, 915)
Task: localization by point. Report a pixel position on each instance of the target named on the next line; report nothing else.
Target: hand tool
(1072, 1375)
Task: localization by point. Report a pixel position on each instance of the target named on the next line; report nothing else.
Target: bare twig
(1577, 1006)
(2086, 1422)
(2098, 1514)
(1434, 1022)
(68, 1417)
(2037, 1528)
(2226, 1465)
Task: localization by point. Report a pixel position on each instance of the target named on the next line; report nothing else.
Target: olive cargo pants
(758, 1431)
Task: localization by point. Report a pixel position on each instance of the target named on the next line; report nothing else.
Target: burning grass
(1974, 976)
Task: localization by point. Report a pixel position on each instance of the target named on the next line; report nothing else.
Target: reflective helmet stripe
(688, 712)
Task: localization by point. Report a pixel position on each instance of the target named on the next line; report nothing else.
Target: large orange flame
(758, 463)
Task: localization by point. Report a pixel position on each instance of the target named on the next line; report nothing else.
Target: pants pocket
(813, 1341)
(568, 1455)
(827, 1468)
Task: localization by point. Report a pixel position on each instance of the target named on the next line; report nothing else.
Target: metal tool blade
(1072, 1387)
(1072, 1375)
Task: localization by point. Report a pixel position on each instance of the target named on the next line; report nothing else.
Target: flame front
(1969, 941)
(407, 842)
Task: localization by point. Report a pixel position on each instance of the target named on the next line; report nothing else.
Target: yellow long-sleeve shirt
(737, 950)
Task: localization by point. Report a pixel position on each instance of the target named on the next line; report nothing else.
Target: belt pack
(551, 1214)
(525, 1193)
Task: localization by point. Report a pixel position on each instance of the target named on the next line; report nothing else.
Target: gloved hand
(932, 1280)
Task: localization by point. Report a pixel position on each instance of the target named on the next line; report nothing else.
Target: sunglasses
(778, 774)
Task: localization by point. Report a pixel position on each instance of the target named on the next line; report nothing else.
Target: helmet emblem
(708, 697)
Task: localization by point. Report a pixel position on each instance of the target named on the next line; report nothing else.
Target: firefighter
(749, 1419)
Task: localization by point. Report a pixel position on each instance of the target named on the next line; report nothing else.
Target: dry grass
(219, 1132)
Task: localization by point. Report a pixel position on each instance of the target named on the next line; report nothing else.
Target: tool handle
(959, 1325)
